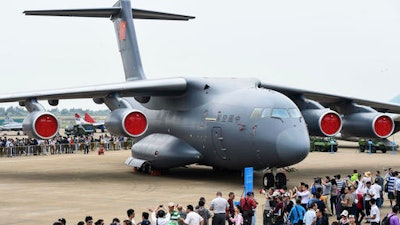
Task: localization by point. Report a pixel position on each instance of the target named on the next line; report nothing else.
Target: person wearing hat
(367, 177)
(172, 214)
(344, 219)
(248, 205)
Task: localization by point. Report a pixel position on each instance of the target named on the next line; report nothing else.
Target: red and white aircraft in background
(89, 120)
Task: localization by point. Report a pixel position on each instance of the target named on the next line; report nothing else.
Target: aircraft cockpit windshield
(275, 113)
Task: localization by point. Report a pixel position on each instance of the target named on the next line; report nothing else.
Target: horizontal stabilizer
(108, 13)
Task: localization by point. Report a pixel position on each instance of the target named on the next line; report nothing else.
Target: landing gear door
(218, 142)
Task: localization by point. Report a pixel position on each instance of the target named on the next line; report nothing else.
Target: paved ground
(41, 189)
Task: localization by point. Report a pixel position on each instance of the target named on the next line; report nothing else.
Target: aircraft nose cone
(292, 146)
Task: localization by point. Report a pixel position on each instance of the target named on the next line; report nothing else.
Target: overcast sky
(344, 47)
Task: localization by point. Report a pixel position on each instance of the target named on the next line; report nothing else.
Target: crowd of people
(352, 200)
(61, 145)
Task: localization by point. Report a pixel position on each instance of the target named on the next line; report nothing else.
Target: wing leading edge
(156, 87)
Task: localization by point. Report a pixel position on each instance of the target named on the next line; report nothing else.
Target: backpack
(386, 220)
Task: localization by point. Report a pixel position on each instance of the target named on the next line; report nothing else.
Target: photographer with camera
(303, 193)
(158, 215)
(269, 206)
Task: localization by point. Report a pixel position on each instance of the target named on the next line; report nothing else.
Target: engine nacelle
(41, 125)
(322, 122)
(368, 125)
(126, 122)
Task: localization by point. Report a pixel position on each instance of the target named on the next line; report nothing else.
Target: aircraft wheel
(335, 148)
(268, 180)
(145, 168)
(362, 148)
(280, 180)
(384, 150)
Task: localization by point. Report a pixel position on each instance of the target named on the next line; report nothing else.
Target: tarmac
(41, 189)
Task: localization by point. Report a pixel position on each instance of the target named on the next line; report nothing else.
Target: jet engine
(368, 125)
(126, 122)
(322, 122)
(41, 125)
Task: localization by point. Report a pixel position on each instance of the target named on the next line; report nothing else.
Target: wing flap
(156, 87)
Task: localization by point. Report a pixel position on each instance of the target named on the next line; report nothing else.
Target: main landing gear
(274, 179)
(146, 168)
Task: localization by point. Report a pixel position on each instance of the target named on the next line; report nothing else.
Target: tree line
(22, 112)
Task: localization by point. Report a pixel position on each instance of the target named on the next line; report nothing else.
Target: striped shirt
(340, 184)
(391, 182)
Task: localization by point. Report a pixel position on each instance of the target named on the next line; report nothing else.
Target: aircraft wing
(330, 100)
(155, 87)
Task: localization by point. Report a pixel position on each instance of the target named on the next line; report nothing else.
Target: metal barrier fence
(45, 149)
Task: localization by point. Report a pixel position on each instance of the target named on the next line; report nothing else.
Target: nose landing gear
(274, 179)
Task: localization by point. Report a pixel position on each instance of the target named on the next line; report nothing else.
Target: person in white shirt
(374, 217)
(304, 193)
(192, 218)
(310, 217)
(397, 189)
(368, 194)
(378, 190)
(219, 206)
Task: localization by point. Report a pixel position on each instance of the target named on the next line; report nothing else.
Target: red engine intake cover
(135, 123)
(46, 126)
(383, 126)
(330, 124)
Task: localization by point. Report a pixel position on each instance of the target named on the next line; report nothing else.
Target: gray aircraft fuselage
(222, 119)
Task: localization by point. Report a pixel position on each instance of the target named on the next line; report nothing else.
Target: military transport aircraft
(225, 123)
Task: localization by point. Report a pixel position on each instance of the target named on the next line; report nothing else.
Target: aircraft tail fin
(8, 119)
(89, 119)
(121, 14)
(78, 119)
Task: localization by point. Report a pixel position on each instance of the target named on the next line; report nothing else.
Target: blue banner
(248, 179)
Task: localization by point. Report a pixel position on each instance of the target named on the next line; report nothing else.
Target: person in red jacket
(248, 205)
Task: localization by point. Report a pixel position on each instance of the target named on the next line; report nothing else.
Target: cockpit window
(280, 113)
(256, 113)
(266, 112)
(294, 113)
(275, 112)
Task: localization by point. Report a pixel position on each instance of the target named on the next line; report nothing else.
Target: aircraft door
(218, 142)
